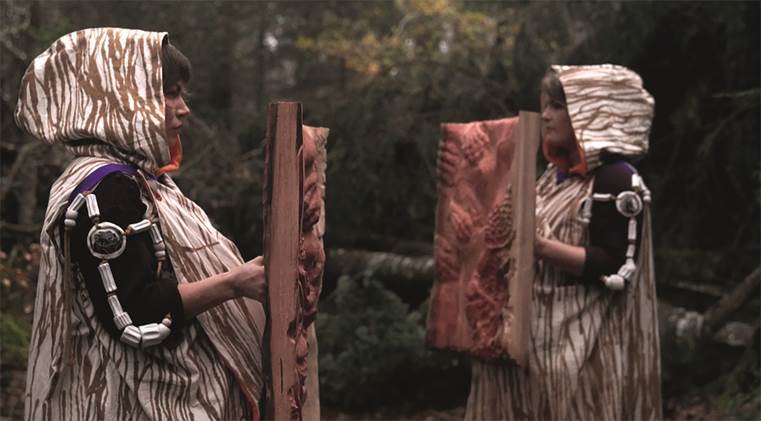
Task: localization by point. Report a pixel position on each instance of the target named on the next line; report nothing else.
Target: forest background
(382, 75)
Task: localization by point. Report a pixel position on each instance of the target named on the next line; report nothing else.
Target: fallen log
(384, 266)
(721, 312)
(414, 275)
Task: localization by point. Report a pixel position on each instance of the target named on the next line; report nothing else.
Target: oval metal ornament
(629, 204)
(106, 240)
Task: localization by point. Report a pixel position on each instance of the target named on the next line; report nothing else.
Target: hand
(248, 280)
(539, 243)
(560, 255)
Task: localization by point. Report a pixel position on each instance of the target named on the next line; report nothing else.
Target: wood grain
(524, 212)
(282, 230)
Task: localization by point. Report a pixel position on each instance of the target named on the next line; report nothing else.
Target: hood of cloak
(610, 111)
(98, 92)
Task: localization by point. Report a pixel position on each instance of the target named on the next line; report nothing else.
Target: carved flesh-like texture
(295, 162)
(473, 239)
(311, 250)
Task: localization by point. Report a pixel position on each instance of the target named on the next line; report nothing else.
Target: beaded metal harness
(629, 203)
(107, 241)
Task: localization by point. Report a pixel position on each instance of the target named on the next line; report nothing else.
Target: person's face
(175, 111)
(556, 125)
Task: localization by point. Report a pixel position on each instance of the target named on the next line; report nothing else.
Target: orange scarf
(175, 159)
(563, 161)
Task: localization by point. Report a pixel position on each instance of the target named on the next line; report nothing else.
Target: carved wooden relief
(476, 251)
(294, 224)
(311, 262)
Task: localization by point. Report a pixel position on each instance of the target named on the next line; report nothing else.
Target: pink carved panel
(474, 239)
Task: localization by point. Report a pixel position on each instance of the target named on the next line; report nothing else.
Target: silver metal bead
(116, 306)
(156, 234)
(160, 254)
(150, 334)
(585, 211)
(167, 322)
(630, 250)
(122, 320)
(131, 336)
(69, 223)
(632, 235)
(92, 206)
(163, 331)
(77, 202)
(107, 277)
(603, 197)
(627, 270)
(139, 227)
(159, 246)
(636, 182)
(614, 282)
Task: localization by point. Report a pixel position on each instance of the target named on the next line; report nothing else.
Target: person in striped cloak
(594, 350)
(143, 309)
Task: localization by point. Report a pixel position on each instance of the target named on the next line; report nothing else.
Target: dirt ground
(686, 408)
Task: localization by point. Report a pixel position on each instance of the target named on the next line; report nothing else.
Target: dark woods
(382, 76)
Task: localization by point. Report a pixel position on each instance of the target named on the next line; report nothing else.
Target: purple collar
(92, 180)
(561, 176)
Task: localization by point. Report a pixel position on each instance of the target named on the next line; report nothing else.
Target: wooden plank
(282, 230)
(524, 173)
(294, 226)
(475, 240)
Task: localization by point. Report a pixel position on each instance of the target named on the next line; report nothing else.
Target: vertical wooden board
(282, 223)
(524, 190)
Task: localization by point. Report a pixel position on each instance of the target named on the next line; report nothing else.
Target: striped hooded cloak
(594, 353)
(98, 93)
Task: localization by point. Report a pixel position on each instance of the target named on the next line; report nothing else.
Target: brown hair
(175, 67)
(552, 87)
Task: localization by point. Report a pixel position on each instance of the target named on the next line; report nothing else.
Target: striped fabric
(214, 370)
(593, 353)
(610, 110)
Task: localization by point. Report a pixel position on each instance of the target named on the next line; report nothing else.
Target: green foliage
(739, 395)
(727, 379)
(14, 340)
(18, 271)
(372, 352)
